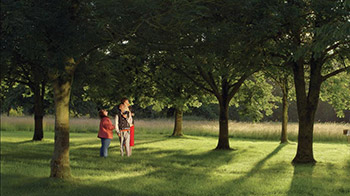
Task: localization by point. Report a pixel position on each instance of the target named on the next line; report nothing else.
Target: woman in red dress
(132, 128)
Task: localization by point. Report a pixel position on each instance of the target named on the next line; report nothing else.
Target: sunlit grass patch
(163, 165)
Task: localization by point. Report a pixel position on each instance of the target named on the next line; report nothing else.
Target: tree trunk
(307, 106)
(178, 123)
(285, 106)
(38, 112)
(60, 160)
(305, 141)
(223, 125)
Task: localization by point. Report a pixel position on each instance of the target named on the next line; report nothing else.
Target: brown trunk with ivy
(39, 91)
(285, 106)
(307, 106)
(178, 123)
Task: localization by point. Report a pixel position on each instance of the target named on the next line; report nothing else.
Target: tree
(315, 37)
(20, 62)
(61, 34)
(72, 27)
(219, 49)
(282, 77)
(170, 90)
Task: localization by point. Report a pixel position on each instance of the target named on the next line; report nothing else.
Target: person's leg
(106, 146)
(102, 147)
(127, 143)
(122, 138)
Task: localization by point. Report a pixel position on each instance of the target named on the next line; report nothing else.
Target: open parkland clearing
(162, 165)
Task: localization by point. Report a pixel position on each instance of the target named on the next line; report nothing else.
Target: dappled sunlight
(109, 176)
(175, 165)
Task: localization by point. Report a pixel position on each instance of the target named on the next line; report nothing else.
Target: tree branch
(335, 73)
(335, 46)
(234, 87)
(210, 80)
(192, 79)
(81, 58)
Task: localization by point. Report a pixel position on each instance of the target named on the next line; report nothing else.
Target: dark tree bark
(38, 111)
(285, 106)
(224, 99)
(307, 105)
(178, 123)
(223, 125)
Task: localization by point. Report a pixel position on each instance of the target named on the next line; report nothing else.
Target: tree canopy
(177, 53)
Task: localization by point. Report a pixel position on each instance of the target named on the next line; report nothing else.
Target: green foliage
(336, 91)
(255, 99)
(141, 50)
(18, 96)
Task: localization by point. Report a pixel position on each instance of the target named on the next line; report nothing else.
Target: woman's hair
(101, 113)
(123, 100)
(120, 105)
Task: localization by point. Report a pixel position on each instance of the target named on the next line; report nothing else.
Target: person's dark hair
(123, 100)
(101, 114)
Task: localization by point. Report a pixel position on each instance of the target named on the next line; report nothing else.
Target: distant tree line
(19, 98)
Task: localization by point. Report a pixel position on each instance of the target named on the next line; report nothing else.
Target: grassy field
(325, 132)
(163, 165)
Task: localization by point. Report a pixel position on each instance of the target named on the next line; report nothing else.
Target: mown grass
(325, 132)
(163, 165)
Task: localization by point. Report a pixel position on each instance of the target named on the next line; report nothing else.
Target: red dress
(132, 129)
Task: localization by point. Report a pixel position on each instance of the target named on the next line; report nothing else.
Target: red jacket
(106, 128)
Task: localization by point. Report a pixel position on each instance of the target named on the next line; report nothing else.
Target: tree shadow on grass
(257, 167)
(241, 187)
(302, 180)
(151, 141)
(152, 171)
(33, 186)
(319, 179)
(27, 141)
(38, 153)
(177, 172)
(155, 159)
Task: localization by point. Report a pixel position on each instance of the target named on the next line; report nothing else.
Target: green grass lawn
(161, 165)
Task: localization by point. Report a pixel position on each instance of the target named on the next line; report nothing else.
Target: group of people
(124, 128)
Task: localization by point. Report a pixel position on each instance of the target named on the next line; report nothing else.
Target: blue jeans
(104, 147)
